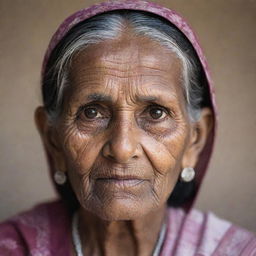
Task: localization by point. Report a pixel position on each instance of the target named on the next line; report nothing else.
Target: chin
(118, 208)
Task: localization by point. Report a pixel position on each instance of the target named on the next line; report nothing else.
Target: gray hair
(109, 26)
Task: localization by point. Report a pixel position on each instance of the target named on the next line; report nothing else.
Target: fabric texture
(46, 229)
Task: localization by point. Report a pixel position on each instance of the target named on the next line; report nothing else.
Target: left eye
(157, 113)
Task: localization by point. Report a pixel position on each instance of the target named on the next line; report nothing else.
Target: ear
(198, 136)
(50, 138)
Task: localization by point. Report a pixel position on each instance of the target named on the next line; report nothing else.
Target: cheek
(80, 152)
(165, 155)
(165, 152)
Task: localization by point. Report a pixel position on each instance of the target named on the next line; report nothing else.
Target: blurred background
(227, 33)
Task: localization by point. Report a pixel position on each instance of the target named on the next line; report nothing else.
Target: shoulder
(30, 231)
(237, 241)
(207, 234)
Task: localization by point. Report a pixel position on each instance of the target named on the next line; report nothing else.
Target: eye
(91, 113)
(92, 117)
(157, 112)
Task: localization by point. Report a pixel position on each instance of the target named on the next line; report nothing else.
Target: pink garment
(46, 231)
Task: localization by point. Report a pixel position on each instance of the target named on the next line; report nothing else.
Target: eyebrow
(147, 98)
(99, 97)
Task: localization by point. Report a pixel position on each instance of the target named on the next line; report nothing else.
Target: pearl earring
(187, 174)
(60, 177)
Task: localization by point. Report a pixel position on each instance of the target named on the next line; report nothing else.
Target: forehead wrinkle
(141, 61)
(90, 90)
(120, 66)
(119, 59)
(131, 70)
(129, 65)
(98, 76)
(147, 94)
(155, 95)
(95, 78)
(123, 50)
(132, 89)
(109, 75)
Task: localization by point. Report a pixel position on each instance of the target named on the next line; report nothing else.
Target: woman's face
(124, 129)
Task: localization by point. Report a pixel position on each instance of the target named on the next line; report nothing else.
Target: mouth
(123, 181)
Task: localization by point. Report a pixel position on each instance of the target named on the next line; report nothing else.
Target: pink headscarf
(175, 19)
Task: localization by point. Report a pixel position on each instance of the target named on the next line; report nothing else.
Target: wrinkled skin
(123, 137)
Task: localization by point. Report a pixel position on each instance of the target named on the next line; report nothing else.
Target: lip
(119, 177)
(121, 180)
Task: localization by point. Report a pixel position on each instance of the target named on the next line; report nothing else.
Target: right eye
(92, 113)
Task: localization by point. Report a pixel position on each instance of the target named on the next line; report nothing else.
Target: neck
(126, 237)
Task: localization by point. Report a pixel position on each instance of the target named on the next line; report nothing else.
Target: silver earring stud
(60, 177)
(187, 174)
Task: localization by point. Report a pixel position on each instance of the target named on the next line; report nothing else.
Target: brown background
(226, 29)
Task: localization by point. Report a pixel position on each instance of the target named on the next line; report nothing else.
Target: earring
(60, 177)
(187, 174)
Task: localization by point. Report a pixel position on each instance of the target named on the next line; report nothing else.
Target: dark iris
(156, 113)
(90, 113)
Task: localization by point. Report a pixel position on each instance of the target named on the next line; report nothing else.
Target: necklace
(78, 245)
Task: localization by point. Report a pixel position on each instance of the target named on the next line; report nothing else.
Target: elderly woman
(127, 122)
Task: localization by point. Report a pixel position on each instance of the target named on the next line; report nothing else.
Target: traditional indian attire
(46, 229)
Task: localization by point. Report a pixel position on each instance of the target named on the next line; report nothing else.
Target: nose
(123, 143)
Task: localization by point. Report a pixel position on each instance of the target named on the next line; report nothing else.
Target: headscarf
(174, 18)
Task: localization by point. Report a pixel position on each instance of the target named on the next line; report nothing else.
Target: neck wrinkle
(127, 237)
